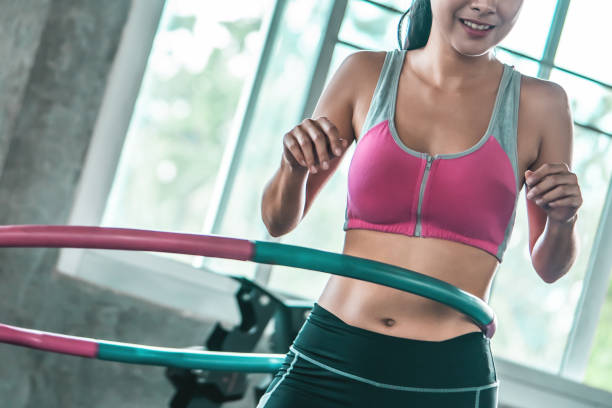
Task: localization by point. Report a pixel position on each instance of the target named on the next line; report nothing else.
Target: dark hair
(419, 25)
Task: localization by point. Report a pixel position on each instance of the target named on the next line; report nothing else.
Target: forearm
(282, 203)
(555, 251)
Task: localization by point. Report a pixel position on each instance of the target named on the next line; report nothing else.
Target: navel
(388, 322)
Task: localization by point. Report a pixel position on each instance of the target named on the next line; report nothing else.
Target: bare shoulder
(545, 110)
(363, 67)
(542, 96)
(368, 61)
(354, 74)
(548, 114)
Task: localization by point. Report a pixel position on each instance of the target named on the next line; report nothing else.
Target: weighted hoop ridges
(218, 247)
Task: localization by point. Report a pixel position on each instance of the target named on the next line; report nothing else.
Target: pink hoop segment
(59, 343)
(127, 239)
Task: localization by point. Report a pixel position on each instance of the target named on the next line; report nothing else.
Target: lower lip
(476, 33)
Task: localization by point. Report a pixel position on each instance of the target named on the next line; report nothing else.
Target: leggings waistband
(462, 361)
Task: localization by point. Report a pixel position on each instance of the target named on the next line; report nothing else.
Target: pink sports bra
(468, 197)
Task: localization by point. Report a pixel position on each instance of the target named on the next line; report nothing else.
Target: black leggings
(334, 364)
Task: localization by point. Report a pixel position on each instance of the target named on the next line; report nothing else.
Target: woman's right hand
(312, 144)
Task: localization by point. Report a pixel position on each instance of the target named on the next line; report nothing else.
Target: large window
(224, 82)
(199, 66)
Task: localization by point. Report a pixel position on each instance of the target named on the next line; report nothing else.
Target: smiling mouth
(478, 27)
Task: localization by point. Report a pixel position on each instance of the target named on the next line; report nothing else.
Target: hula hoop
(51, 236)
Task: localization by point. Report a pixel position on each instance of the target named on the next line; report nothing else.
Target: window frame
(521, 385)
(592, 299)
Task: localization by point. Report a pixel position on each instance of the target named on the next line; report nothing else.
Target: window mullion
(383, 6)
(246, 112)
(554, 36)
(326, 52)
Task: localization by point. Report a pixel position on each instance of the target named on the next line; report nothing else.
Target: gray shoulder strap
(505, 130)
(387, 83)
(506, 121)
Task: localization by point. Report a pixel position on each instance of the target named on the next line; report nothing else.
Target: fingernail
(338, 151)
(313, 169)
(325, 165)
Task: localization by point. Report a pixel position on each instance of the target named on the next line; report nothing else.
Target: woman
(427, 192)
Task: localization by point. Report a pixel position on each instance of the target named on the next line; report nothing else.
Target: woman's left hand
(554, 188)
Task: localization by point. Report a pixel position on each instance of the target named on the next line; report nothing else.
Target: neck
(441, 66)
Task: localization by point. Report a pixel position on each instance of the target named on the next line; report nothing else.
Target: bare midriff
(397, 313)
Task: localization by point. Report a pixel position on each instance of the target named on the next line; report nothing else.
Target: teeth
(476, 26)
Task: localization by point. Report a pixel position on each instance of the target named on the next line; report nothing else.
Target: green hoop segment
(381, 273)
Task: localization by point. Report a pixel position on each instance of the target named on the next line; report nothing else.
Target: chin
(467, 51)
(475, 55)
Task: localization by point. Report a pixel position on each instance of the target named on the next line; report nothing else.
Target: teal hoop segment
(381, 273)
(188, 358)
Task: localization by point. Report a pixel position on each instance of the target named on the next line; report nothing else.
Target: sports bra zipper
(417, 231)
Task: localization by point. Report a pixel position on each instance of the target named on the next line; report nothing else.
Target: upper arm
(337, 103)
(556, 143)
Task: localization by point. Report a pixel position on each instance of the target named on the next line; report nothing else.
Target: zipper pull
(429, 160)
